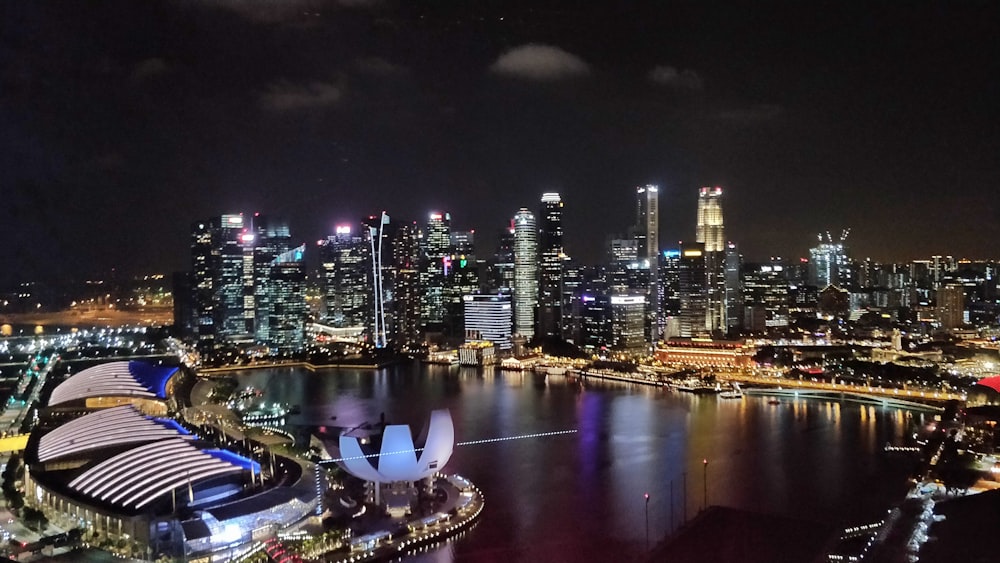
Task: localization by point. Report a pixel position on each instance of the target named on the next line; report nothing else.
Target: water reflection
(579, 497)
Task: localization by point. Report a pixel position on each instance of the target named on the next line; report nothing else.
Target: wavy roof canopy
(107, 428)
(115, 379)
(141, 475)
(397, 459)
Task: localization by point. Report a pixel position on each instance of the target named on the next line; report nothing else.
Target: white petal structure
(399, 458)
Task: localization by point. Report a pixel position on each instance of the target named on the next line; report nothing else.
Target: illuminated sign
(343, 229)
(671, 253)
(246, 237)
(436, 216)
(692, 253)
(628, 300)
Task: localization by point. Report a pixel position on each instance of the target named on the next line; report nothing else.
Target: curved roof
(397, 459)
(131, 379)
(107, 428)
(141, 475)
(991, 382)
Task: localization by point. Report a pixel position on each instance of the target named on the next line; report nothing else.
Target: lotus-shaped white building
(398, 457)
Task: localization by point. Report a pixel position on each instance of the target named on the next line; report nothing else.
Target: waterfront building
(525, 272)
(550, 266)
(217, 282)
(461, 271)
(477, 353)
(155, 487)
(488, 318)
(705, 352)
(628, 323)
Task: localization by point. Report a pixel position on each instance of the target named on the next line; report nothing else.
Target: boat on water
(773, 402)
(734, 393)
(696, 386)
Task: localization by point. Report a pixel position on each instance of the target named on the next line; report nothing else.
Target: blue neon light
(153, 378)
(234, 459)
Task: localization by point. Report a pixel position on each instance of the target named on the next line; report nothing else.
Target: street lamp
(647, 521)
(704, 464)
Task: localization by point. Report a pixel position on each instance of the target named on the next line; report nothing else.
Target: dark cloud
(666, 75)
(285, 96)
(749, 114)
(150, 67)
(379, 67)
(540, 62)
(272, 11)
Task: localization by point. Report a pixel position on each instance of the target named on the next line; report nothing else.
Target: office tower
(668, 282)
(572, 282)
(711, 233)
(345, 263)
(501, 267)
(487, 317)
(217, 283)
(550, 247)
(766, 296)
(950, 306)
(268, 239)
(628, 323)
(647, 227)
(710, 230)
(437, 245)
(734, 289)
(288, 302)
(623, 251)
(693, 291)
(461, 272)
(829, 263)
(525, 272)
(406, 314)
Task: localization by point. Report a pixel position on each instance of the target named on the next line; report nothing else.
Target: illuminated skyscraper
(692, 287)
(344, 259)
(710, 231)
(287, 290)
(406, 256)
(525, 272)
(550, 246)
(647, 228)
(217, 280)
(829, 263)
(437, 243)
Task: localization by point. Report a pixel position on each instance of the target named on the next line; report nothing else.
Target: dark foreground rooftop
(968, 532)
(724, 535)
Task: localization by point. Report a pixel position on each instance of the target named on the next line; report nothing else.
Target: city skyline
(125, 122)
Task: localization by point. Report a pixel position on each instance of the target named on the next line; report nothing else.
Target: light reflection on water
(579, 497)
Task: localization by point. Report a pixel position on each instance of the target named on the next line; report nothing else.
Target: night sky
(123, 122)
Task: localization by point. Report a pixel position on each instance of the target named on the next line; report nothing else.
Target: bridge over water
(868, 394)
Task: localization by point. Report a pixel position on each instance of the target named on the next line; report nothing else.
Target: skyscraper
(525, 272)
(344, 259)
(437, 243)
(217, 281)
(829, 263)
(487, 317)
(693, 288)
(647, 227)
(733, 288)
(406, 256)
(550, 247)
(288, 302)
(711, 233)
